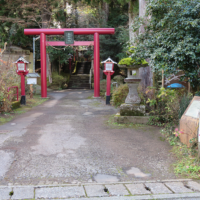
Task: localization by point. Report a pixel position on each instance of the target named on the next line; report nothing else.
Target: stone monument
(132, 106)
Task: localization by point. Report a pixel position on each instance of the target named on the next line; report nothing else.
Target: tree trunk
(146, 73)
(106, 10)
(131, 14)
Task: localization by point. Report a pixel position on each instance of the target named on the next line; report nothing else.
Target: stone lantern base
(132, 110)
(132, 105)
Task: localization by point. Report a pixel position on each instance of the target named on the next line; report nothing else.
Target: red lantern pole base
(23, 95)
(108, 74)
(107, 100)
(23, 100)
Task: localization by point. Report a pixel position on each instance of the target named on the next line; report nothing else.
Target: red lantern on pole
(22, 70)
(108, 71)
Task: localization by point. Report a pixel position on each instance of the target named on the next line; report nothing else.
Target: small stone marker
(59, 192)
(4, 193)
(177, 187)
(137, 189)
(194, 185)
(189, 121)
(95, 191)
(117, 190)
(23, 193)
(158, 188)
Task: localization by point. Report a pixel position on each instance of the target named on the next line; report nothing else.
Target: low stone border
(131, 119)
(166, 189)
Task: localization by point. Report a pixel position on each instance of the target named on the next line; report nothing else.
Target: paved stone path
(167, 189)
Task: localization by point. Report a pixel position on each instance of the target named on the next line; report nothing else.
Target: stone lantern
(132, 106)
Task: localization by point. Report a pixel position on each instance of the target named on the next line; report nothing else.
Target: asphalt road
(67, 140)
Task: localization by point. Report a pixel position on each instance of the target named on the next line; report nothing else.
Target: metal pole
(34, 39)
(96, 66)
(43, 65)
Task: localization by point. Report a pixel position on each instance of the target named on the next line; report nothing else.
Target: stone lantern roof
(21, 59)
(109, 60)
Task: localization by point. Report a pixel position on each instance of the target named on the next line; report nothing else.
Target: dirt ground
(68, 139)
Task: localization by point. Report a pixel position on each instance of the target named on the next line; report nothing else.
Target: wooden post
(189, 86)
(163, 79)
(31, 91)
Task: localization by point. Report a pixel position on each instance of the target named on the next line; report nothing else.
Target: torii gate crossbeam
(77, 31)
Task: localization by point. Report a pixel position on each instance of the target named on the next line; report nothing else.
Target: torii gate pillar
(96, 66)
(43, 65)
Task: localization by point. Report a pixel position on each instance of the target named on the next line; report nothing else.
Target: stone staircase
(80, 80)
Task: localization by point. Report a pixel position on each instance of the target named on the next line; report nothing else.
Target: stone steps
(79, 82)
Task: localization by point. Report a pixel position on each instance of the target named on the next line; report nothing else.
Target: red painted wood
(22, 85)
(108, 74)
(96, 66)
(77, 31)
(76, 43)
(43, 65)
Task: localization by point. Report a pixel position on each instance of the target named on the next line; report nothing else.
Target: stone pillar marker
(132, 105)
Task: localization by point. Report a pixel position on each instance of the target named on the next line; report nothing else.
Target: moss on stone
(15, 105)
(126, 112)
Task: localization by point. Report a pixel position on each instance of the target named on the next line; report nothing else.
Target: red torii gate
(77, 31)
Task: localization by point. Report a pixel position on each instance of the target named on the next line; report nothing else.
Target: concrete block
(137, 189)
(117, 190)
(158, 188)
(4, 192)
(177, 187)
(131, 119)
(59, 192)
(23, 193)
(194, 185)
(95, 191)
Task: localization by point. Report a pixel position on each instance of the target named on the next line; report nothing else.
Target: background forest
(17, 15)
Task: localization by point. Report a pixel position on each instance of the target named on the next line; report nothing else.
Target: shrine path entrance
(67, 140)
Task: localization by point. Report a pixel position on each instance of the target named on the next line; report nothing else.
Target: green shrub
(119, 79)
(165, 102)
(58, 80)
(8, 78)
(119, 95)
(15, 105)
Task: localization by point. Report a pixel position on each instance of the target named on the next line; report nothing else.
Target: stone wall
(12, 53)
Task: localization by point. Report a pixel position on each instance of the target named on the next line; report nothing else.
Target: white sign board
(109, 66)
(193, 109)
(31, 81)
(21, 66)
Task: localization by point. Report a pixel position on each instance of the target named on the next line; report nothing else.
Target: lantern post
(108, 71)
(22, 70)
